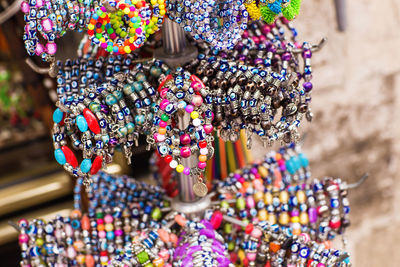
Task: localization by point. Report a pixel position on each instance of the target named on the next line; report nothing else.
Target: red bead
(169, 77)
(334, 224)
(91, 121)
(309, 262)
(249, 228)
(202, 144)
(168, 158)
(96, 165)
(103, 253)
(70, 156)
(268, 264)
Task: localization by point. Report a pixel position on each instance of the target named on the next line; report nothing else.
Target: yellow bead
(241, 254)
(303, 218)
(162, 12)
(153, 2)
(162, 6)
(271, 218)
(295, 219)
(301, 196)
(131, 40)
(90, 26)
(262, 171)
(127, 49)
(262, 215)
(180, 168)
(283, 218)
(126, 10)
(159, 262)
(283, 197)
(109, 227)
(162, 130)
(268, 198)
(160, 2)
(258, 196)
(134, 2)
(194, 115)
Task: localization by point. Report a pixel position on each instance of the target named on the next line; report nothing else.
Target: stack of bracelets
(105, 102)
(120, 205)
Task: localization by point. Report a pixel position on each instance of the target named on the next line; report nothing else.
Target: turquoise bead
(138, 86)
(131, 127)
(123, 130)
(155, 71)
(290, 167)
(118, 95)
(139, 119)
(141, 77)
(128, 89)
(94, 107)
(304, 160)
(58, 115)
(86, 165)
(111, 100)
(82, 124)
(296, 163)
(105, 139)
(60, 157)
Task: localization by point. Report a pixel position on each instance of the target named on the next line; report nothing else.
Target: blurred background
(356, 127)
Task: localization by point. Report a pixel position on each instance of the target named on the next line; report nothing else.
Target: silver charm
(199, 188)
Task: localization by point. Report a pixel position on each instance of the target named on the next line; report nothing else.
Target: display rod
(174, 44)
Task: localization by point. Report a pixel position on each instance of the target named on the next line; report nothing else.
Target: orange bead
(162, 130)
(296, 231)
(80, 259)
(328, 244)
(78, 245)
(180, 220)
(203, 158)
(93, 21)
(76, 214)
(159, 262)
(278, 156)
(121, 50)
(85, 222)
(89, 260)
(164, 235)
(100, 227)
(274, 247)
(174, 239)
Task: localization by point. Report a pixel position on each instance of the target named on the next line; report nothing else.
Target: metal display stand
(175, 52)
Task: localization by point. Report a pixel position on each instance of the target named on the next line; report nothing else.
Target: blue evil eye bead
(60, 157)
(304, 252)
(86, 165)
(82, 124)
(58, 115)
(118, 95)
(162, 149)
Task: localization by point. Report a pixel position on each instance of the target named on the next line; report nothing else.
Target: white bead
(196, 122)
(204, 151)
(173, 164)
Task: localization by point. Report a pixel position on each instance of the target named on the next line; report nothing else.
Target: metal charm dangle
(199, 188)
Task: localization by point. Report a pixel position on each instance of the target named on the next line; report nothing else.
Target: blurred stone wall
(356, 127)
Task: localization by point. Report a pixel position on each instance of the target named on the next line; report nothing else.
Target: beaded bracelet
(178, 94)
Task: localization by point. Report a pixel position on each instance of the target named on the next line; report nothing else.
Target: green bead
(246, 221)
(224, 204)
(110, 30)
(39, 242)
(109, 48)
(94, 107)
(156, 214)
(228, 228)
(99, 35)
(164, 117)
(240, 203)
(149, 265)
(231, 246)
(123, 34)
(99, 215)
(142, 257)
